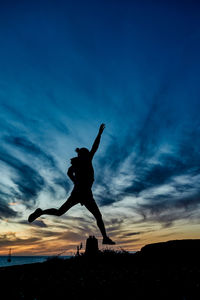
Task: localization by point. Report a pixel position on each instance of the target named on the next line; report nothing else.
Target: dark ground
(161, 271)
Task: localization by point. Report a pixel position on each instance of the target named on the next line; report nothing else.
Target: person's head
(83, 152)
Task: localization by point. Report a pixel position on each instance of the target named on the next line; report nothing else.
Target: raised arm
(97, 140)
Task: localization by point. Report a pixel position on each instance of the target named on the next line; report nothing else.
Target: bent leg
(71, 201)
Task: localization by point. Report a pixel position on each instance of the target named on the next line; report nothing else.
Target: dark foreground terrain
(169, 270)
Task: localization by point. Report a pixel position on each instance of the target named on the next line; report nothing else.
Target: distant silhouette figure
(81, 173)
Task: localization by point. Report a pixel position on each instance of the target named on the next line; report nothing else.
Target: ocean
(22, 260)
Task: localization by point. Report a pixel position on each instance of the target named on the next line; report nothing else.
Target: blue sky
(67, 67)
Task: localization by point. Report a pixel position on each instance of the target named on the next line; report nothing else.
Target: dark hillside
(168, 270)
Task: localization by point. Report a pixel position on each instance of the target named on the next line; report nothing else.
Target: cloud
(27, 180)
(166, 208)
(43, 158)
(62, 182)
(10, 240)
(129, 242)
(140, 142)
(37, 223)
(149, 163)
(104, 196)
(29, 147)
(131, 234)
(72, 236)
(5, 210)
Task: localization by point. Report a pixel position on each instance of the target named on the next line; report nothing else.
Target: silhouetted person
(81, 173)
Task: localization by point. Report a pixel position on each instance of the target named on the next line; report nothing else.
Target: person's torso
(84, 172)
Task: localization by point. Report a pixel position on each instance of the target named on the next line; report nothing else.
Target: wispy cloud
(10, 240)
(5, 210)
(27, 180)
(29, 148)
(37, 223)
(148, 163)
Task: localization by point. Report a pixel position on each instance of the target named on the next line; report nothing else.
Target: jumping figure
(81, 173)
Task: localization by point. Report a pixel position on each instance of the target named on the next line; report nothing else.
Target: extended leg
(93, 208)
(53, 211)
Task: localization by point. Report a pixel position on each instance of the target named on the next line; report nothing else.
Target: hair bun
(77, 150)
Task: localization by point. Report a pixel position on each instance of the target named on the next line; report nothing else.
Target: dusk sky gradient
(65, 68)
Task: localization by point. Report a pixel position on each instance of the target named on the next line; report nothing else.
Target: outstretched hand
(101, 128)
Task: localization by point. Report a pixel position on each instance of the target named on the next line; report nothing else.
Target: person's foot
(107, 241)
(37, 213)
